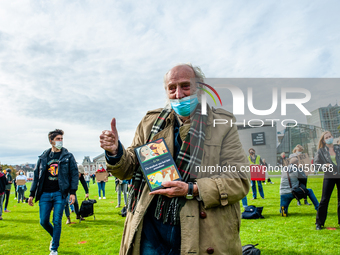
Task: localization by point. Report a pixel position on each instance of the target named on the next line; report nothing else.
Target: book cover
(157, 164)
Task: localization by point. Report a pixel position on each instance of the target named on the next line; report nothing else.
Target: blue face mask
(329, 140)
(185, 105)
(21, 173)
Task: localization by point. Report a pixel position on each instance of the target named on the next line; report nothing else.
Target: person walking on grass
(3, 183)
(8, 188)
(55, 176)
(328, 156)
(21, 188)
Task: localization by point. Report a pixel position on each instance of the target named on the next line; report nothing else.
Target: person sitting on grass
(286, 195)
(298, 150)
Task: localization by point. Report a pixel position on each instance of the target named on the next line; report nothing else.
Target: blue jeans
(253, 187)
(88, 184)
(287, 198)
(46, 203)
(245, 201)
(101, 187)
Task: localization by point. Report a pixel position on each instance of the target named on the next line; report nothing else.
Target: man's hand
(109, 139)
(174, 189)
(87, 195)
(30, 201)
(72, 199)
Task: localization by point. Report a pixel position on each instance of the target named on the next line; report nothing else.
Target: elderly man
(201, 213)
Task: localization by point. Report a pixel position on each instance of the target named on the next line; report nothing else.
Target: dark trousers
(7, 193)
(327, 189)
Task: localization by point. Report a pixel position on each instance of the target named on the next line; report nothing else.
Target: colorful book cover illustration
(157, 164)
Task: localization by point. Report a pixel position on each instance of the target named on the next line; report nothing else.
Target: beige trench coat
(212, 224)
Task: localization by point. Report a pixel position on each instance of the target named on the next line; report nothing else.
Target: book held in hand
(157, 164)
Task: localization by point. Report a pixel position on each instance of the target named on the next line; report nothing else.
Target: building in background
(328, 118)
(306, 135)
(263, 139)
(91, 166)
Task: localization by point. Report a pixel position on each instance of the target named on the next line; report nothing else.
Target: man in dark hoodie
(55, 175)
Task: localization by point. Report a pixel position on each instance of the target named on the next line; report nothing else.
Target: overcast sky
(74, 65)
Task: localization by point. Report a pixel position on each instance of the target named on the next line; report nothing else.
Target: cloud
(77, 64)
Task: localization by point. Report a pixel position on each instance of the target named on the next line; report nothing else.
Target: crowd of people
(171, 220)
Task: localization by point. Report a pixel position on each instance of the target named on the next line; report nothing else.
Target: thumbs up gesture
(109, 139)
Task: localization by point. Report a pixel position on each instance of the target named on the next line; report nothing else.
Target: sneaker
(306, 202)
(53, 253)
(68, 220)
(117, 206)
(318, 227)
(99, 198)
(15, 198)
(298, 203)
(271, 182)
(51, 245)
(104, 197)
(283, 213)
(0, 218)
(6, 210)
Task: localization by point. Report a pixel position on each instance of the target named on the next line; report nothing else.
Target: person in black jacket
(76, 204)
(328, 157)
(55, 176)
(3, 183)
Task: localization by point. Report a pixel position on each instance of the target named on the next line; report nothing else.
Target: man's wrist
(196, 191)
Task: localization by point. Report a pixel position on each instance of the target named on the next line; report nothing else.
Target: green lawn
(20, 232)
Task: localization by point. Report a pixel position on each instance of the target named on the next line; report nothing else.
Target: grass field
(20, 232)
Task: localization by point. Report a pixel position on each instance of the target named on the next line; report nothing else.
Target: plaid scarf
(190, 155)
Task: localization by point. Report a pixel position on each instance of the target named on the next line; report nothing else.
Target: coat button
(210, 250)
(203, 215)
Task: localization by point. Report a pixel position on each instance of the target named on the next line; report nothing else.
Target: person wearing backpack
(3, 183)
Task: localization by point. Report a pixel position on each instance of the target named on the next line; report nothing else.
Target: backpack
(86, 208)
(250, 249)
(123, 212)
(252, 212)
(3, 183)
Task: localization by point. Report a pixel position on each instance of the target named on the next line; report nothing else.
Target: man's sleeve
(74, 176)
(35, 179)
(112, 160)
(83, 182)
(228, 187)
